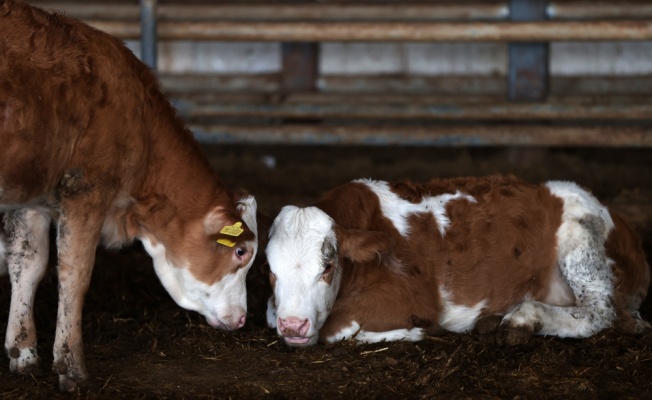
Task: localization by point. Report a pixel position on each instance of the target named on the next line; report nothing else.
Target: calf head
(307, 252)
(204, 269)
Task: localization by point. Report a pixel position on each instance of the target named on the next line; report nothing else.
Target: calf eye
(327, 269)
(240, 252)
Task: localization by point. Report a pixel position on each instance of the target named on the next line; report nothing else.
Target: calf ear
(247, 207)
(215, 220)
(228, 225)
(361, 245)
(264, 224)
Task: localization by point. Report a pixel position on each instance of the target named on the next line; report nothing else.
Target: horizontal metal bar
(485, 10)
(390, 32)
(444, 84)
(449, 85)
(397, 99)
(470, 135)
(210, 82)
(353, 108)
(406, 11)
(590, 9)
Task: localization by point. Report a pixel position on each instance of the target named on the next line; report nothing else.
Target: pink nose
(233, 323)
(293, 326)
(241, 322)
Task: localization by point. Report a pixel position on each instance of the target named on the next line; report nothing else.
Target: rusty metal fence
(300, 106)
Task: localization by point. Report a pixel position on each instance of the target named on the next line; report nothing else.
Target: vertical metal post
(148, 39)
(528, 62)
(300, 65)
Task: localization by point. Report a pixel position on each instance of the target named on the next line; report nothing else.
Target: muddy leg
(77, 240)
(27, 258)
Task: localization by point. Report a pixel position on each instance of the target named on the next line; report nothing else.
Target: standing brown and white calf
(88, 140)
(379, 261)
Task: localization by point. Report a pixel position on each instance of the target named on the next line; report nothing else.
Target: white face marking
(457, 318)
(301, 242)
(354, 331)
(398, 210)
(223, 304)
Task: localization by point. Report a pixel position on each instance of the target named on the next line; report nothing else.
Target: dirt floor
(140, 345)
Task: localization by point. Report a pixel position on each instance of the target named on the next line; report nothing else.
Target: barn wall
(567, 59)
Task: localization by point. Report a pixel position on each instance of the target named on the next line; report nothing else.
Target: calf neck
(378, 261)
(89, 142)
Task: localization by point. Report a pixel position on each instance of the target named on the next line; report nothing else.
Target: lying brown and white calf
(88, 140)
(378, 261)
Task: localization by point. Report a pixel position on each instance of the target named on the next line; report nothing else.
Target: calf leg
(353, 331)
(587, 270)
(28, 247)
(77, 239)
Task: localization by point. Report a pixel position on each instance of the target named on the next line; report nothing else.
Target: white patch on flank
(577, 204)
(457, 318)
(295, 255)
(398, 210)
(222, 303)
(584, 266)
(353, 331)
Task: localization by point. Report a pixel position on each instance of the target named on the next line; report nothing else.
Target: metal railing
(298, 106)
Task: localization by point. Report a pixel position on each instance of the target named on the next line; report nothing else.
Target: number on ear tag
(233, 230)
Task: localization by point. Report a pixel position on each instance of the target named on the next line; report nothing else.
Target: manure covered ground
(140, 345)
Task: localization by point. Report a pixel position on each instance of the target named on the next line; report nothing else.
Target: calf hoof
(492, 330)
(70, 379)
(640, 325)
(24, 362)
(71, 384)
(487, 324)
(68, 385)
(516, 336)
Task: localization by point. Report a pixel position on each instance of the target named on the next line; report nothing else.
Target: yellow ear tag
(226, 242)
(233, 230)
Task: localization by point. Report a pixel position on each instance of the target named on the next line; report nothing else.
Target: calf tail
(632, 272)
